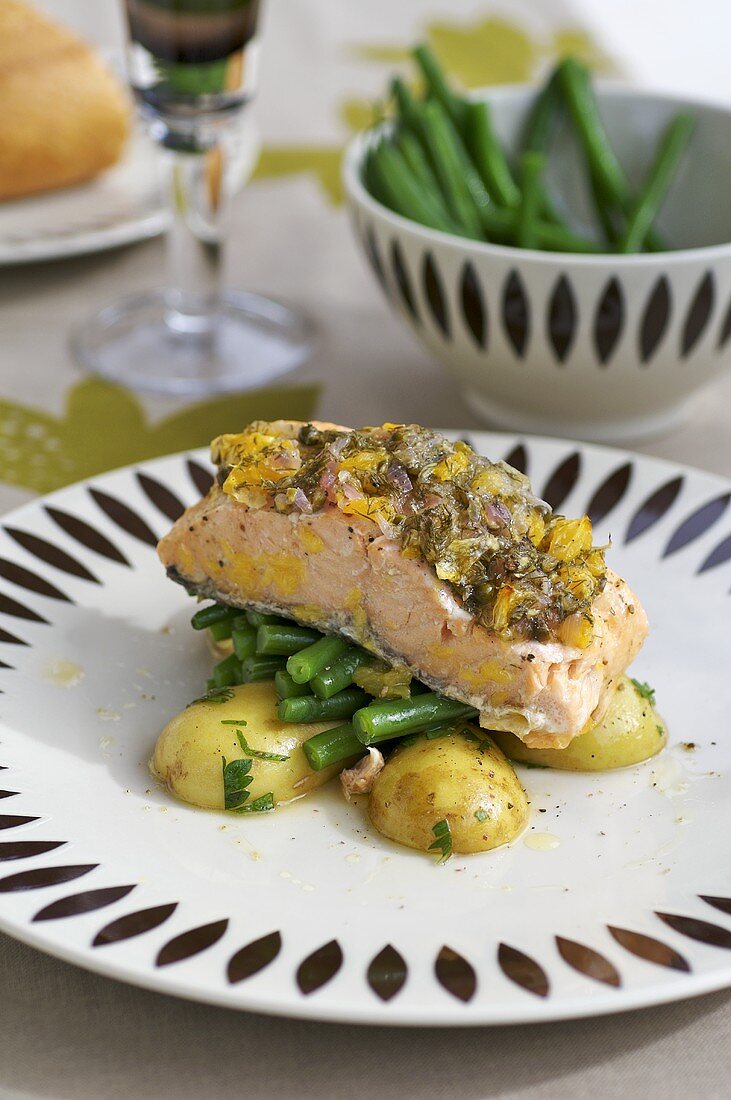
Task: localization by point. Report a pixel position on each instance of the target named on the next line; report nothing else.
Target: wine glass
(192, 67)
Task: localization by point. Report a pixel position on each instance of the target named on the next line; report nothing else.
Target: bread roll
(63, 116)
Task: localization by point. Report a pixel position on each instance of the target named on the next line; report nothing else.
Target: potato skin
(452, 778)
(631, 731)
(188, 753)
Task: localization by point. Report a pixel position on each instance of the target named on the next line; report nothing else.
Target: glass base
(147, 342)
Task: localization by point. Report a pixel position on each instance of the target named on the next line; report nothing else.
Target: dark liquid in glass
(192, 58)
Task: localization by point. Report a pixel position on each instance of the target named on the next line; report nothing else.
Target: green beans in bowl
(563, 250)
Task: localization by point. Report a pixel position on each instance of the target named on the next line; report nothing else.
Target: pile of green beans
(313, 676)
(441, 163)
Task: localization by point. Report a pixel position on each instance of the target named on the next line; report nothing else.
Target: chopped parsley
(442, 840)
(259, 806)
(481, 815)
(215, 695)
(644, 691)
(258, 753)
(236, 779)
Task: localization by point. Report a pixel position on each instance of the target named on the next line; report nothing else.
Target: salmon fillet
(340, 573)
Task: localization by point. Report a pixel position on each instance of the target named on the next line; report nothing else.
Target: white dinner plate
(122, 205)
(307, 911)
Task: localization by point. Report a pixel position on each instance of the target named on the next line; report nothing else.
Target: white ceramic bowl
(600, 347)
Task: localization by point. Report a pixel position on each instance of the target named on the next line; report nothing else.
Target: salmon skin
(257, 541)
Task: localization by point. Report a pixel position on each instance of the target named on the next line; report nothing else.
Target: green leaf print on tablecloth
(104, 426)
(485, 51)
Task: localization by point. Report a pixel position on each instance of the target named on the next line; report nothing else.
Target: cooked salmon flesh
(425, 554)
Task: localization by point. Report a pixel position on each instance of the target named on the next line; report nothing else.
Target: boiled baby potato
(462, 778)
(631, 731)
(189, 751)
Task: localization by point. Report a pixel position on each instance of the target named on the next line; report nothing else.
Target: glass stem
(194, 251)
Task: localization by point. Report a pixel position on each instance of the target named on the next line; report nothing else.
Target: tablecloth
(66, 1033)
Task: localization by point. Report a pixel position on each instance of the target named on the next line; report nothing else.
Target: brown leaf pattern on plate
(518, 459)
(201, 478)
(77, 904)
(134, 924)
(653, 508)
(124, 516)
(319, 967)
(387, 973)
(12, 821)
(648, 948)
(44, 876)
(723, 904)
(25, 578)
(26, 849)
(88, 536)
(523, 970)
(719, 556)
(609, 493)
(163, 498)
(455, 974)
(191, 943)
(562, 481)
(9, 606)
(700, 521)
(50, 554)
(701, 930)
(254, 957)
(587, 961)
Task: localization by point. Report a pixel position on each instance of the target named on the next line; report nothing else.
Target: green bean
(538, 132)
(540, 125)
(488, 155)
(611, 184)
(308, 662)
(437, 83)
(408, 145)
(607, 218)
(372, 180)
(227, 672)
(284, 639)
(553, 237)
(603, 163)
(306, 708)
(396, 717)
(214, 613)
(221, 630)
(403, 192)
(457, 178)
(285, 686)
(243, 636)
(532, 165)
(669, 152)
(333, 746)
(259, 618)
(405, 104)
(256, 668)
(339, 674)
